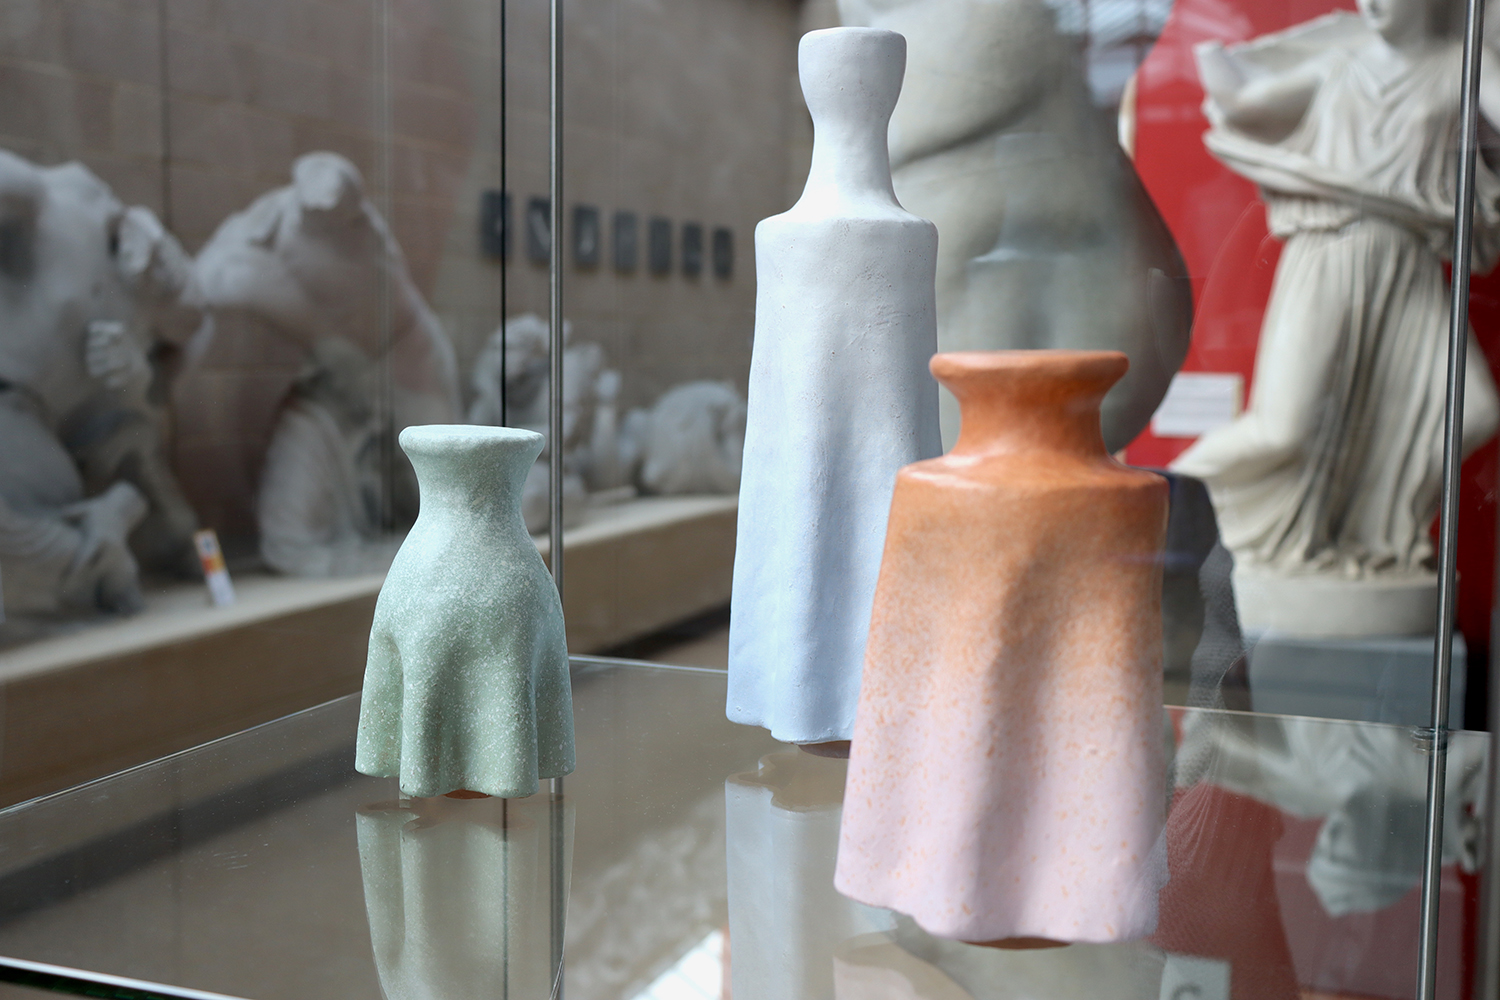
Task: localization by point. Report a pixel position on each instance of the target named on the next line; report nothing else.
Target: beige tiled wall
(677, 108)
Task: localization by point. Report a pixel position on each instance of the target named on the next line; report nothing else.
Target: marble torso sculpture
(1048, 239)
(839, 400)
(89, 291)
(59, 552)
(313, 262)
(1326, 487)
(467, 682)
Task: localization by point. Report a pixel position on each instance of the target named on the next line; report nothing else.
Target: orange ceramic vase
(1006, 780)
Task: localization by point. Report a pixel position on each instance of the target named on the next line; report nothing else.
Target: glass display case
(689, 857)
(244, 244)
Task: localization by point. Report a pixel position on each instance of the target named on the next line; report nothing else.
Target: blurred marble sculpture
(587, 387)
(693, 440)
(1365, 782)
(59, 551)
(1327, 485)
(840, 399)
(1048, 238)
(313, 263)
(89, 297)
(690, 441)
(319, 499)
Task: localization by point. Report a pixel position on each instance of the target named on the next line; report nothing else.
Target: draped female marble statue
(1327, 485)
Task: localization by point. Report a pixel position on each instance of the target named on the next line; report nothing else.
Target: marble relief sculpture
(690, 441)
(315, 263)
(319, 499)
(60, 552)
(1327, 485)
(466, 685)
(90, 301)
(693, 440)
(1049, 239)
(1007, 776)
(587, 386)
(839, 400)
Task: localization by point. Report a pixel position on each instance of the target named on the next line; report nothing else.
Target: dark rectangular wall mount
(586, 237)
(626, 241)
(538, 230)
(494, 225)
(659, 246)
(692, 249)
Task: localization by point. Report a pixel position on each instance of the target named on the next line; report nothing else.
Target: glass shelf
(689, 854)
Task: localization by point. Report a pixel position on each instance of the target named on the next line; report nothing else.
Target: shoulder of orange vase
(1031, 470)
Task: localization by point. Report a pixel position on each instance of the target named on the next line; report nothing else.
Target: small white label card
(1198, 402)
(215, 573)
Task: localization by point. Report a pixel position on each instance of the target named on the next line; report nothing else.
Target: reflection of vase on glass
(1327, 485)
(1007, 773)
(785, 919)
(467, 684)
(459, 895)
(839, 400)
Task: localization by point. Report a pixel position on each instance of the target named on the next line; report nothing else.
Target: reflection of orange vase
(1007, 777)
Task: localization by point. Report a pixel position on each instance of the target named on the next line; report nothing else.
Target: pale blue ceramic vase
(466, 685)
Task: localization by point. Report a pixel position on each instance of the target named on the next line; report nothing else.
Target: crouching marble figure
(89, 297)
(305, 265)
(1328, 484)
(690, 441)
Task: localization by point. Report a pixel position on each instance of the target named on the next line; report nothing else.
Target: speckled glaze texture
(467, 686)
(839, 400)
(1006, 779)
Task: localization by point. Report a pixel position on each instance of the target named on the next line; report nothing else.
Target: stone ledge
(86, 704)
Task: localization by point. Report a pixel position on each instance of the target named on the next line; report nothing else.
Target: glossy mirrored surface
(688, 857)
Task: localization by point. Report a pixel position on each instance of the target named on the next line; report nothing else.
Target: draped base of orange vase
(1007, 773)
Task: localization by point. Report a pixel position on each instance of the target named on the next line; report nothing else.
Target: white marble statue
(315, 263)
(693, 440)
(90, 297)
(1048, 239)
(690, 441)
(318, 507)
(527, 382)
(61, 553)
(840, 398)
(1327, 485)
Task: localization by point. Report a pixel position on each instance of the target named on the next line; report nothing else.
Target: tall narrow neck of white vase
(851, 78)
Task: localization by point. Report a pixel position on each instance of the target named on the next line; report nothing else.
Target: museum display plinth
(1377, 679)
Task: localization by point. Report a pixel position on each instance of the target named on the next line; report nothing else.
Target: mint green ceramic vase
(466, 685)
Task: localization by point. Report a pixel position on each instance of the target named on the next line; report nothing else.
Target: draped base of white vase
(1367, 680)
(1330, 607)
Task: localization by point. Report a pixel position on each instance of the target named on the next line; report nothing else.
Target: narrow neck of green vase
(472, 472)
(479, 485)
